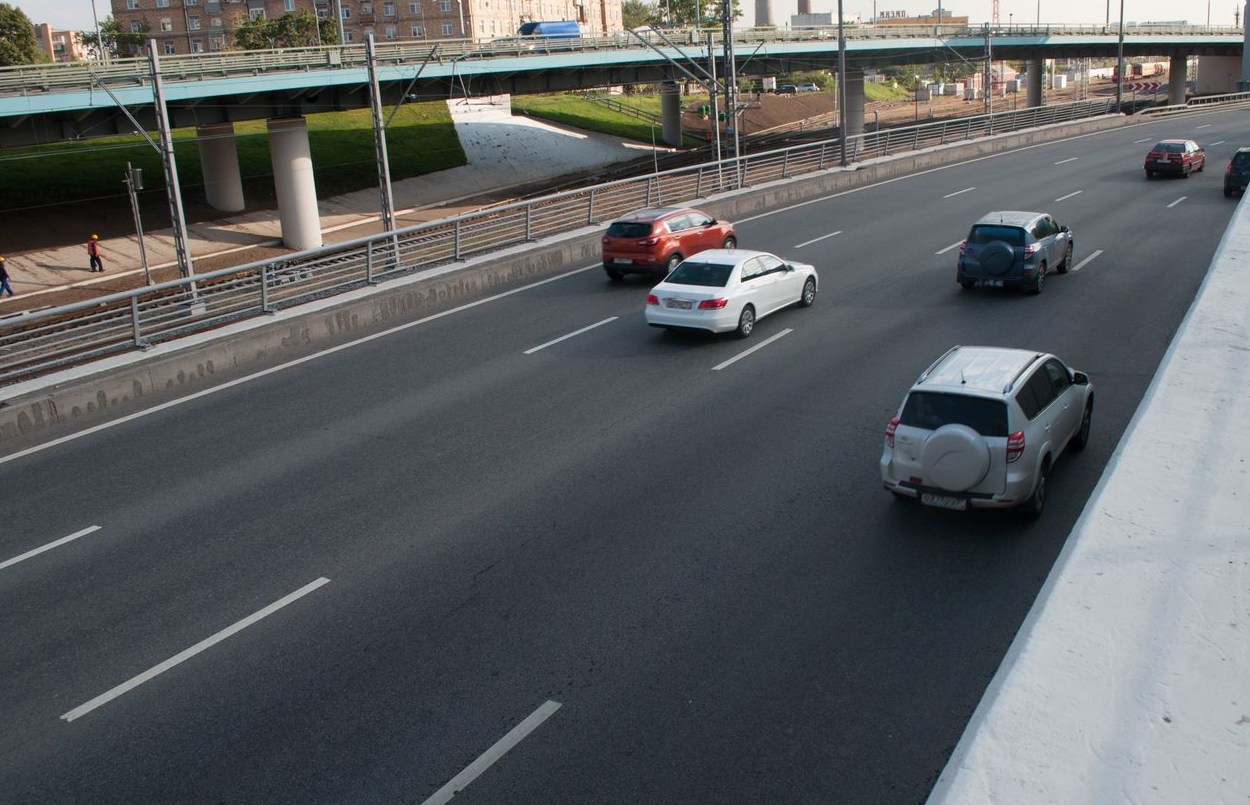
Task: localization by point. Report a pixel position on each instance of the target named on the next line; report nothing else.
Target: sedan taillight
(652, 299)
(1015, 446)
(889, 432)
(713, 304)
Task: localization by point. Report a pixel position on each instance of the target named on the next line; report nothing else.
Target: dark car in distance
(1181, 157)
(1013, 248)
(1237, 174)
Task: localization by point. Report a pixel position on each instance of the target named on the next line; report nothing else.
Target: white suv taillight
(963, 247)
(1031, 249)
(889, 431)
(1015, 446)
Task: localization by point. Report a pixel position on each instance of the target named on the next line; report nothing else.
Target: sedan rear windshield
(931, 410)
(630, 229)
(693, 272)
(1013, 235)
(1171, 148)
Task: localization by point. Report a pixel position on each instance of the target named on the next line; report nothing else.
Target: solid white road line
(957, 192)
(1135, 142)
(471, 772)
(813, 240)
(156, 670)
(755, 348)
(532, 350)
(49, 546)
(1083, 263)
(273, 369)
(1070, 195)
(1178, 201)
(948, 248)
(1069, 159)
(1204, 126)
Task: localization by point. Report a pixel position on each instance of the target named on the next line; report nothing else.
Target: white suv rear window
(931, 410)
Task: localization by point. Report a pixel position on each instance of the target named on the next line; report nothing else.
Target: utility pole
(1119, 64)
(731, 72)
(841, 86)
(134, 183)
(172, 189)
(379, 139)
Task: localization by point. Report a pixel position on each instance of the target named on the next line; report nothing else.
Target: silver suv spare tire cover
(997, 257)
(956, 458)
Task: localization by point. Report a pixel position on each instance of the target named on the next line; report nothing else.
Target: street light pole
(841, 85)
(1119, 63)
(99, 40)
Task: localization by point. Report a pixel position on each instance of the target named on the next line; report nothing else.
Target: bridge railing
(46, 340)
(81, 76)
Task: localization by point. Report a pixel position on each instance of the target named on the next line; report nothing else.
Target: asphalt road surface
(612, 569)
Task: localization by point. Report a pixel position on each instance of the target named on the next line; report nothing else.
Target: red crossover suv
(657, 240)
(1181, 157)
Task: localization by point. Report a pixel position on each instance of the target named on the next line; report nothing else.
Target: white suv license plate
(944, 502)
(679, 304)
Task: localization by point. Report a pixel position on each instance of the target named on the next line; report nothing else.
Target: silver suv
(1014, 248)
(982, 428)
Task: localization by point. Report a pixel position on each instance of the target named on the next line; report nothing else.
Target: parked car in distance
(1014, 248)
(809, 87)
(656, 240)
(1181, 157)
(1237, 174)
(787, 89)
(728, 290)
(983, 426)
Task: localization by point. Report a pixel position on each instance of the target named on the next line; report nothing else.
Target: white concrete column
(854, 102)
(1034, 81)
(670, 112)
(1178, 79)
(293, 183)
(219, 163)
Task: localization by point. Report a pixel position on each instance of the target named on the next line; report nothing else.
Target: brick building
(201, 26)
(61, 46)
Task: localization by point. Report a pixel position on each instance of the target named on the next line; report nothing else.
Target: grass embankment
(421, 139)
(883, 92)
(578, 112)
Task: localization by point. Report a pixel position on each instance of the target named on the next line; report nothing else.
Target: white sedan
(726, 290)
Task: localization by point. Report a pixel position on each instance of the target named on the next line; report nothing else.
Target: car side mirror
(789, 267)
(1080, 379)
(1063, 228)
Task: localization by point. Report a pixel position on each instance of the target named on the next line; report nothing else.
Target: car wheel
(1149, 174)
(1082, 436)
(1039, 280)
(673, 260)
(613, 274)
(746, 322)
(730, 243)
(1067, 260)
(1201, 165)
(1031, 509)
(809, 293)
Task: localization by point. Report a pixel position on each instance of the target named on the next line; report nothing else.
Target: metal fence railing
(72, 76)
(57, 337)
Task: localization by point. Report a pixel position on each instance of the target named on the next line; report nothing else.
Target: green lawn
(421, 139)
(578, 112)
(883, 92)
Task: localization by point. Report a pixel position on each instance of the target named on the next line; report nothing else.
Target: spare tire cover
(997, 257)
(956, 458)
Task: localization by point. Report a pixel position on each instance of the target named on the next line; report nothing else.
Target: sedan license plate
(679, 304)
(622, 261)
(944, 502)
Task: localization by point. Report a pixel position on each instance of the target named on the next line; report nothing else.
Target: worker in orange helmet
(93, 251)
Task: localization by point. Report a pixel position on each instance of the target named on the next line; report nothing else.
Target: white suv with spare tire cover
(982, 427)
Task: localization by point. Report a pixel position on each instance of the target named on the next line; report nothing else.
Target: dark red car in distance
(1181, 157)
(656, 240)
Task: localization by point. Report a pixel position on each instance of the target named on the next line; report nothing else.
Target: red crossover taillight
(652, 299)
(713, 304)
(889, 431)
(1015, 446)
(648, 241)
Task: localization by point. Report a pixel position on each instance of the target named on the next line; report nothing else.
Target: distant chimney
(805, 6)
(764, 12)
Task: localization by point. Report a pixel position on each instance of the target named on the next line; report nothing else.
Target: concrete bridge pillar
(1178, 80)
(219, 162)
(293, 183)
(1034, 82)
(670, 113)
(854, 102)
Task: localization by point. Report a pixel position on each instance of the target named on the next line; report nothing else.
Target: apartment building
(61, 46)
(199, 26)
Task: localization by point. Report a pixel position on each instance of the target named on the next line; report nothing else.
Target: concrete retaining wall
(78, 398)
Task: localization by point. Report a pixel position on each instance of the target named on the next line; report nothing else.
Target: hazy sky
(76, 14)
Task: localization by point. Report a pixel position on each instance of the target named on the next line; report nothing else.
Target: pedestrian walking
(4, 280)
(93, 251)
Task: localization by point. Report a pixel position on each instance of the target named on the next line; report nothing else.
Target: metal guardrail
(623, 108)
(72, 334)
(71, 76)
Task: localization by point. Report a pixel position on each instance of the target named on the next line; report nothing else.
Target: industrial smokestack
(805, 6)
(764, 12)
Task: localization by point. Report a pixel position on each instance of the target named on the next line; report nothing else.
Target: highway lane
(698, 565)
